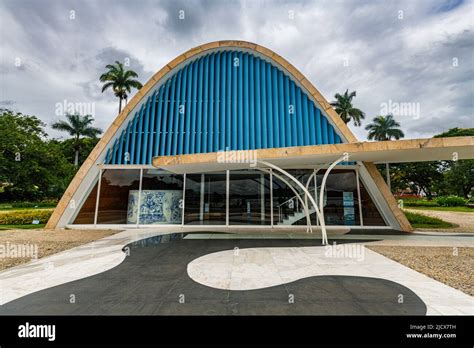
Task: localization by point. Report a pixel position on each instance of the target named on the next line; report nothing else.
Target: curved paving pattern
(256, 268)
(153, 280)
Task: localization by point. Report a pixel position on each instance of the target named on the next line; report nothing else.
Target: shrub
(25, 217)
(451, 201)
(417, 202)
(46, 203)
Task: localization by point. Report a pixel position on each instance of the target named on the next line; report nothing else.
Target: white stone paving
(256, 268)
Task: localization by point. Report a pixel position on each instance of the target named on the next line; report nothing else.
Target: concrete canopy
(414, 150)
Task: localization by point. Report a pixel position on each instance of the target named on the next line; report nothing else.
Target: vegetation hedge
(444, 201)
(25, 217)
(451, 201)
(45, 203)
(418, 202)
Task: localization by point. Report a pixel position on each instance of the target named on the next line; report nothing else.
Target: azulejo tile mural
(156, 207)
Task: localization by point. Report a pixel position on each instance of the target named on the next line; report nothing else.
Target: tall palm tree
(384, 128)
(120, 80)
(77, 126)
(343, 106)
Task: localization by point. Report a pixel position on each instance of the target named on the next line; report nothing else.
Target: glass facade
(249, 198)
(205, 199)
(370, 214)
(287, 208)
(87, 212)
(244, 197)
(116, 198)
(341, 199)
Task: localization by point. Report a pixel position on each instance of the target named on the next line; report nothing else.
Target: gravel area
(451, 266)
(19, 246)
(464, 221)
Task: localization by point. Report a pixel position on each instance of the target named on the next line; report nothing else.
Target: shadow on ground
(153, 279)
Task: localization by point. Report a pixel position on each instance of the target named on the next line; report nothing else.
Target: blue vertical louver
(226, 99)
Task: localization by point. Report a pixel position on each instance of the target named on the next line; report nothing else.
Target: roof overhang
(395, 151)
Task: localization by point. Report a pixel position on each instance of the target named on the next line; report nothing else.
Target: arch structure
(221, 96)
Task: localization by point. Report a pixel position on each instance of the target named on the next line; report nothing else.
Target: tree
(343, 106)
(437, 178)
(67, 148)
(31, 168)
(459, 177)
(458, 174)
(77, 126)
(120, 80)
(384, 128)
(419, 177)
(456, 132)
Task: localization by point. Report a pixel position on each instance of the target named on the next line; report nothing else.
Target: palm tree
(120, 80)
(343, 106)
(384, 128)
(77, 126)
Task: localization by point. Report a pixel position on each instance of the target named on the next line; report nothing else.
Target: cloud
(7, 103)
(403, 51)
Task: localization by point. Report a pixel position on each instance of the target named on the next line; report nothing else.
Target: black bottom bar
(288, 330)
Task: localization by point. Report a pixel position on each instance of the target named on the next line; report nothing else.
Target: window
(341, 202)
(287, 208)
(370, 213)
(205, 200)
(87, 212)
(249, 198)
(118, 198)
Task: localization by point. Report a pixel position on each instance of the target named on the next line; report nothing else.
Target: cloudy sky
(420, 53)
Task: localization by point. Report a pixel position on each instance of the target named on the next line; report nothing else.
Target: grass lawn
(458, 209)
(20, 227)
(423, 221)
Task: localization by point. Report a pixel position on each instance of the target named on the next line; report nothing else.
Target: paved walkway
(154, 280)
(101, 256)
